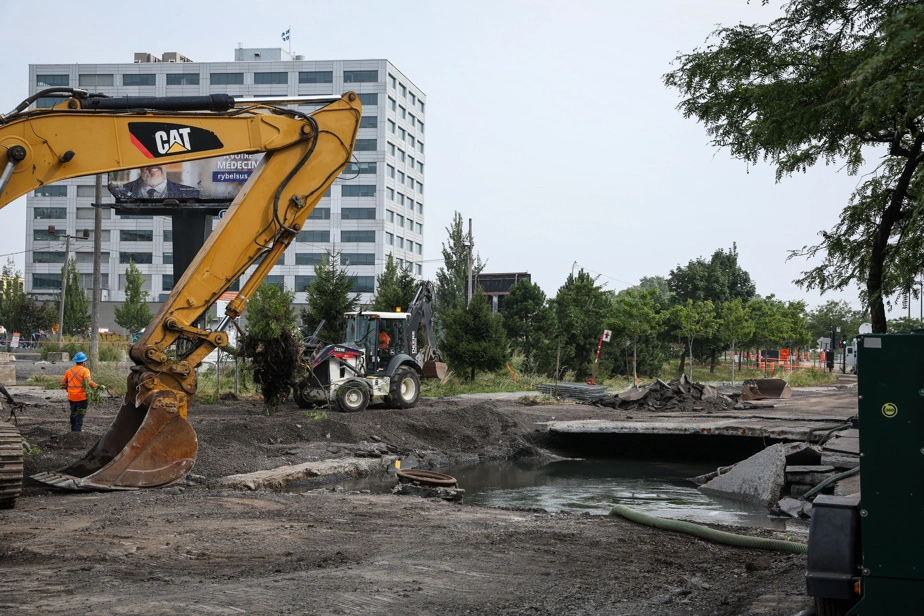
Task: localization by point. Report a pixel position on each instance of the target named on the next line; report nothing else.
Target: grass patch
(316, 415)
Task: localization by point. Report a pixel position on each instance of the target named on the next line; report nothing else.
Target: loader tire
(353, 397)
(10, 465)
(404, 390)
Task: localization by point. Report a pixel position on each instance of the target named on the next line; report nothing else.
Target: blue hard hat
(80, 358)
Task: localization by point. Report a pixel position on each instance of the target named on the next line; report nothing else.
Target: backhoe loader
(151, 442)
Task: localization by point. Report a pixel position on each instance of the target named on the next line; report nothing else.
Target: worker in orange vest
(74, 381)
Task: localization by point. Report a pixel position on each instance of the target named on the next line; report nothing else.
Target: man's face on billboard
(153, 176)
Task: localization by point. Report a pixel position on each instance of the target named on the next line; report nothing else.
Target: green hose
(710, 534)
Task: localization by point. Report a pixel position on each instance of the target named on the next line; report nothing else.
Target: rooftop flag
(285, 35)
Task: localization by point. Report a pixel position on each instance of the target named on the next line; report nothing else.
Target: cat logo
(160, 139)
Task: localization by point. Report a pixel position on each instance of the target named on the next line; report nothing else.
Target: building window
(168, 235)
(419, 166)
(360, 76)
(359, 169)
(391, 171)
(419, 269)
(51, 81)
(51, 191)
(410, 224)
(419, 225)
(411, 119)
(136, 217)
(420, 105)
(390, 239)
(145, 284)
(309, 258)
(410, 204)
(358, 213)
(391, 149)
(369, 100)
(303, 282)
(46, 281)
(399, 219)
(42, 235)
(389, 216)
(402, 134)
(48, 257)
(166, 282)
(364, 284)
(86, 281)
(46, 102)
(402, 90)
(89, 213)
(392, 126)
(56, 213)
(366, 145)
(319, 213)
(278, 281)
(183, 79)
(420, 187)
(85, 190)
(400, 177)
(402, 112)
(270, 78)
(321, 236)
(360, 237)
(139, 80)
(420, 126)
(401, 156)
(96, 81)
(399, 242)
(390, 193)
(392, 82)
(226, 79)
(369, 122)
(316, 77)
(410, 140)
(400, 199)
(357, 258)
(136, 257)
(392, 104)
(136, 235)
(168, 258)
(358, 190)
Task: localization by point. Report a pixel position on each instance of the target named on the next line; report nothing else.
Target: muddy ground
(199, 549)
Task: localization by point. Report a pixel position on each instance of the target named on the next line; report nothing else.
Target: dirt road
(198, 549)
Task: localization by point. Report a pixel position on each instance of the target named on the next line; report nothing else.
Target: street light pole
(67, 251)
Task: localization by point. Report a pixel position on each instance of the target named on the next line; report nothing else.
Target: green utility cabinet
(891, 419)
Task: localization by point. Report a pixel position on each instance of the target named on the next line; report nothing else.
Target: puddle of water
(594, 486)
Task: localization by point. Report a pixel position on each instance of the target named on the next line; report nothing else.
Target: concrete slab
(844, 444)
(759, 427)
(848, 487)
(278, 477)
(759, 479)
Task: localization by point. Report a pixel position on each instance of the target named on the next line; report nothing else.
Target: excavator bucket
(435, 370)
(144, 448)
(764, 389)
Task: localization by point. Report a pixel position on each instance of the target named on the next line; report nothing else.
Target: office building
(374, 209)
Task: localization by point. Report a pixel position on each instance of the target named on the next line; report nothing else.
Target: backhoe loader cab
(381, 335)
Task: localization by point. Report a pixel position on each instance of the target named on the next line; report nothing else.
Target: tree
(834, 314)
(636, 316)
(76, 306)
(272, 342)
(527, 321)
(452, 278)
(134, 313)
(693, 320)
(20, 312)
(822, 83)
(329, 297)
(475, 338)
(734, 326)
(580, 309)
(395, 287)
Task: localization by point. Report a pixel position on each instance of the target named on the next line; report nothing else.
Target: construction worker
(75, 381)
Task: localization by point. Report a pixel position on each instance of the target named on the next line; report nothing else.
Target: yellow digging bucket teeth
(147, 446)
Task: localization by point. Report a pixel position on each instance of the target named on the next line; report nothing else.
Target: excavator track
(10, 465)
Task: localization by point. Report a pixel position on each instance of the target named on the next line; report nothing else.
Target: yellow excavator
(151, 442)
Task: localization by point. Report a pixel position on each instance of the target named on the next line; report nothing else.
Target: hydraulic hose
(710, 534)
(824, 484)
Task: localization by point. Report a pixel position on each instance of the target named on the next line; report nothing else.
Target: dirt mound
(680, 395)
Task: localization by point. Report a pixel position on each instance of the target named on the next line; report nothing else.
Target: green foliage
(18, 311)
(316, 415)
(734, 326)
(452, 278)
(834, 314)
(76, 305)
(475, 338)
(395, 287)
(580, 310)
(694, 319)
(779, 324)
(329, 297)
(528, 321)
(134, 313)
(272, 342)
(822, 83)
(636, 315)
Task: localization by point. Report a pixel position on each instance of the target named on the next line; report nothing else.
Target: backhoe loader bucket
(764, 389)
(142, 449)
(435, 370)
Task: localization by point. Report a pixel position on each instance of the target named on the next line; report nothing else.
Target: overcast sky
(548, 124)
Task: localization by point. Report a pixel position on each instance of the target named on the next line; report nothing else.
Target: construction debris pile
(680, 395)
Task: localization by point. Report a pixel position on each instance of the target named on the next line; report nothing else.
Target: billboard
(214, 179)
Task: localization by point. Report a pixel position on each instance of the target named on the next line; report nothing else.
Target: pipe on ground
(710, 534)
